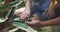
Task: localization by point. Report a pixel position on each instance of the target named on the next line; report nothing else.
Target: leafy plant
(5, 9)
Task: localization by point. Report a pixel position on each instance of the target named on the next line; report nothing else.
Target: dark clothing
(39, 6)
(57, 12)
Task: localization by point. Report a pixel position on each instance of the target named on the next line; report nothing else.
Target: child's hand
(25, 15)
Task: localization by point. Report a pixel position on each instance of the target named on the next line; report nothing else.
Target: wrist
(46, 23)
(27, 11)
(43, 24)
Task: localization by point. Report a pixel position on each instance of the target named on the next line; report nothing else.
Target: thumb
(28, 23)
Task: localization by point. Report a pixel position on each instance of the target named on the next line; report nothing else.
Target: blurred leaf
(12, 4)
(8, 6)
(2, 0)
(23, 26)
(2, 20)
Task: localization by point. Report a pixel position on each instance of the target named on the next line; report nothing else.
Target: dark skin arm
(55, 21)
(37, 23)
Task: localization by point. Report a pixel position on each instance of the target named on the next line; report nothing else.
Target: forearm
(51, 22)
(55, 21)
(28, 3)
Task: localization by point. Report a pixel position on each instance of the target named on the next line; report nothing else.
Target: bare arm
(28, 3)
(55, 21)
(26, 13)
(37, 23)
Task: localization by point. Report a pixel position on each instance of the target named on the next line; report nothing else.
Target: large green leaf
(23, 26)
(8, 6)
(14, 4)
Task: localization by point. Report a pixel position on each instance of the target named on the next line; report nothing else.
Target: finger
(29, 24)
(21, 16)
(28, 16)
(24, 17)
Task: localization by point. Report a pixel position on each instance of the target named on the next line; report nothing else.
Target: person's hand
(35, 24)
(51, 13)
(25, 15)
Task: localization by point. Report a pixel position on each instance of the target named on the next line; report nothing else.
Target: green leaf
(23, 26)
(8, 6)
(13, 4)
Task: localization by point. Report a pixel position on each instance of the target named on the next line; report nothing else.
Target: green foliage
(23, 26)
(6, 8)
(21, 23)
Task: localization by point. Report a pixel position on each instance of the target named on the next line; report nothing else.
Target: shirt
(40, 4)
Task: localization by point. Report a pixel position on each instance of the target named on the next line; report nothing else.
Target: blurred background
(11, 23)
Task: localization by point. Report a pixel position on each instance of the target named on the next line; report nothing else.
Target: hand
(34, 24)
(25, 15)
(50, 12)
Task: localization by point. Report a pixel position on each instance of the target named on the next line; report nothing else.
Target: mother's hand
(35, 24)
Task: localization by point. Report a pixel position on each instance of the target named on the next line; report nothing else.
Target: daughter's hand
(25, 15)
